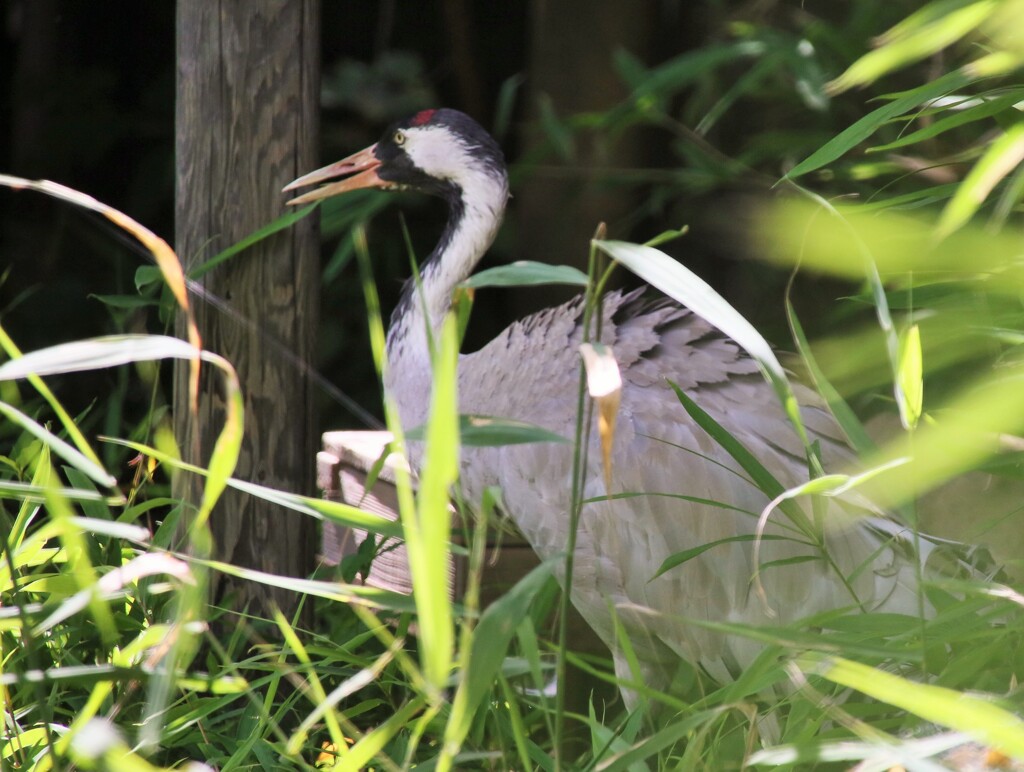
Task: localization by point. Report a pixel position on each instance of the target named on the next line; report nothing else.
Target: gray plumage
(530, 373)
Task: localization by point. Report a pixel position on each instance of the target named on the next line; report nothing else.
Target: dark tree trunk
(247, 116)
(560, 206)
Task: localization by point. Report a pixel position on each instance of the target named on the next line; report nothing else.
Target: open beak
(362, 164)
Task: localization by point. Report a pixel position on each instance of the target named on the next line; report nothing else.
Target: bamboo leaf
(322, 509)
(363, 752)
(844, 415)
(981, 719)
(283, 222)
(912, 44)
(96, 353)
(523, 273)
(910, 377)
(491, 639)
(77, 459)
(1002, 157)
(860, 131)
(762, 478)
(480, 431)
(686, 555)
(986, 109)
(427, 532)
(684, 286)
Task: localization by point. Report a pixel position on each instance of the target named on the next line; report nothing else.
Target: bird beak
(365, 162)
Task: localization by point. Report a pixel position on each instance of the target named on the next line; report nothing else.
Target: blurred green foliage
(898, 164)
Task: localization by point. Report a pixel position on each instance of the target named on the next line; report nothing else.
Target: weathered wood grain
(246, 124)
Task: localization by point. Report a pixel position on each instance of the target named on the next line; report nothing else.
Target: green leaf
(523, 273)
(78, 460)
(146, 275)
(909, 377)
(480, 431)
(322, 509)
(13, 489)
(127, 302)
(664, 738)
(491, 639)
(558, 134)
(427, 530)
(96, 353)
(679, 72)
(681, 284)
(666, 236)
(762, 478)
(359, 756)
(679, 558)
(975, 716)
(914, 43)
(114, 350)
(336, 591)
(283, 222)
(987, 108)
(853, 135)
(843, 413)
(506, 103)
(907, 754)
(922, 17)
(1002, 157)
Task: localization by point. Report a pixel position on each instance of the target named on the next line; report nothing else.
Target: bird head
(438, 152)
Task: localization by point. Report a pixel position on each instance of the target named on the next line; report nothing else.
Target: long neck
(475, 212)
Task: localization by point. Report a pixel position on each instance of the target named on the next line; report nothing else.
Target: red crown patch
(423, 116)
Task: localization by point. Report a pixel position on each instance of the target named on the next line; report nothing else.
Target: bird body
(681, 489)
(660, 456)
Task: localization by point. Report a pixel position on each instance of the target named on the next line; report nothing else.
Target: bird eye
(399, 138)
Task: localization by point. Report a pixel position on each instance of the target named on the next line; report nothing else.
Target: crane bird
(691, 491)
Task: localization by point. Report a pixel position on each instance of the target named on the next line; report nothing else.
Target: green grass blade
(764, 479)
(226, 449)
(40, 386)
(285, 221)
(363, 595)
(427, 532)
(675, 280)
(110, 351)
(664, 738)
(913, 44)
(860, 131)
(358, 758)
(1003, 156)
(481, 431)
(679, 283)
(678, 558)
(490, 642)
(96, 353)
(322, 509)
(76, 458)
(844, 415)
(975, 716)
(526, 273)
(34, 493)
(989, 107)
(487, 431)
(909, 377)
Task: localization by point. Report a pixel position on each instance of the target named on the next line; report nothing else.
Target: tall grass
(106, 655)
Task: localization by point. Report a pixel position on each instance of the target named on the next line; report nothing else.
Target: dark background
(88, 100)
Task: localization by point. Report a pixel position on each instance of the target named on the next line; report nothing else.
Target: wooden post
(247, 117)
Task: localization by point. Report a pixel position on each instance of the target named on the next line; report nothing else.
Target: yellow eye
(399, 138)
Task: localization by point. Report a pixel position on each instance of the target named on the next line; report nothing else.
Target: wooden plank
(342, 469)
(246, 124)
